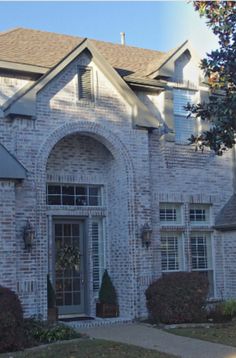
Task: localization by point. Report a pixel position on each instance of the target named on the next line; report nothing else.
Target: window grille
(75, 195)
(171, 249)
(170, 213)
(199, 214)
(201, 257)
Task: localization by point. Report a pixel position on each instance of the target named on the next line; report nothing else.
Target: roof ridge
(50, 32)
(2, 33)
(92, 39)
(129, 46)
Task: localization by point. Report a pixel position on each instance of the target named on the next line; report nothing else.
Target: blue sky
(160, 25)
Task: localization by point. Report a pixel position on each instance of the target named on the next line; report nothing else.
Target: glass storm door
(69, 278)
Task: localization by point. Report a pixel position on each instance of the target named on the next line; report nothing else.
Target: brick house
(93, 148)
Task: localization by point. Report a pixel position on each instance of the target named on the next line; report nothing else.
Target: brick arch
(97, 131)
(119, 153)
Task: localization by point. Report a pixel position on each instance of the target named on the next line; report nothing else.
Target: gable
(175, 61)
(25, 103)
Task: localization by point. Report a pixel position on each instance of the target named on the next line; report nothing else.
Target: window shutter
(95, 249)
(85, 83)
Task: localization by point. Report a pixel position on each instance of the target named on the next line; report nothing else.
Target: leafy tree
(220, 68)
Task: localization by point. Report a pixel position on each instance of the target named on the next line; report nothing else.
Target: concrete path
(150, 337)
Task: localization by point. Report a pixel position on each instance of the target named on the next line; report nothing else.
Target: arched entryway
(88, 205)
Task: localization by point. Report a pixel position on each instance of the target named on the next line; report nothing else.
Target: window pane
(80, 190)
(93, 201)
(54, 200)
(81, 200)
(54, 189)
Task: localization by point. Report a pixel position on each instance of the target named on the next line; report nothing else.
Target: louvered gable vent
(85, 83)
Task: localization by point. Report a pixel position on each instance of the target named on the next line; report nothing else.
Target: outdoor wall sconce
(146, 235)
(28, 236)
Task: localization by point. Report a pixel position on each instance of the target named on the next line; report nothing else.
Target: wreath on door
(68, 257)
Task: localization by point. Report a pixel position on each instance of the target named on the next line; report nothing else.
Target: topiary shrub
(178, 297)
(107, 292)
(11, 321)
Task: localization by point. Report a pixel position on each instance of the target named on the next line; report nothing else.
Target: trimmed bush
(178, 297)
(11, 321)
(107, 292)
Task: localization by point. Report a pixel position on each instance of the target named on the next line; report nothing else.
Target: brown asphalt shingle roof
(46, 49)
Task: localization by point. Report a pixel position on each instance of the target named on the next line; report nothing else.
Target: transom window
(170, 213)
(171, 252)
(199, 214)
(76, 195)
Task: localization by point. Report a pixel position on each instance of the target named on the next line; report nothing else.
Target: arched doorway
(88, 206)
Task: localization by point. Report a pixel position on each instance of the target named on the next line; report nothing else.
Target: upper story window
(184, 127)
(76, 195)
(170, 213)
(199, 214)
(85, 83)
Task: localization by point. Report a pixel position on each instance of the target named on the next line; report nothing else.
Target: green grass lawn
(224, 333)
(87, 348)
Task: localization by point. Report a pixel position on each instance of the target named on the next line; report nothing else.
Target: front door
(69, 273)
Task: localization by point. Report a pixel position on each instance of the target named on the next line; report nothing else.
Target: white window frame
(209, 269)
(203, 207)
(76, 196)
(180, 99)
(179, 254)
(177, 207)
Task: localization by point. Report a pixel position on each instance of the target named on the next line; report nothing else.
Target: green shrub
(107, 292)
(178, 297)
(11, 321)
(229, 307)
(38, 332)
(217, 314)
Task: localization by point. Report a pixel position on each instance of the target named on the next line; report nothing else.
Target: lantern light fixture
(28, 236)
(146, 235)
